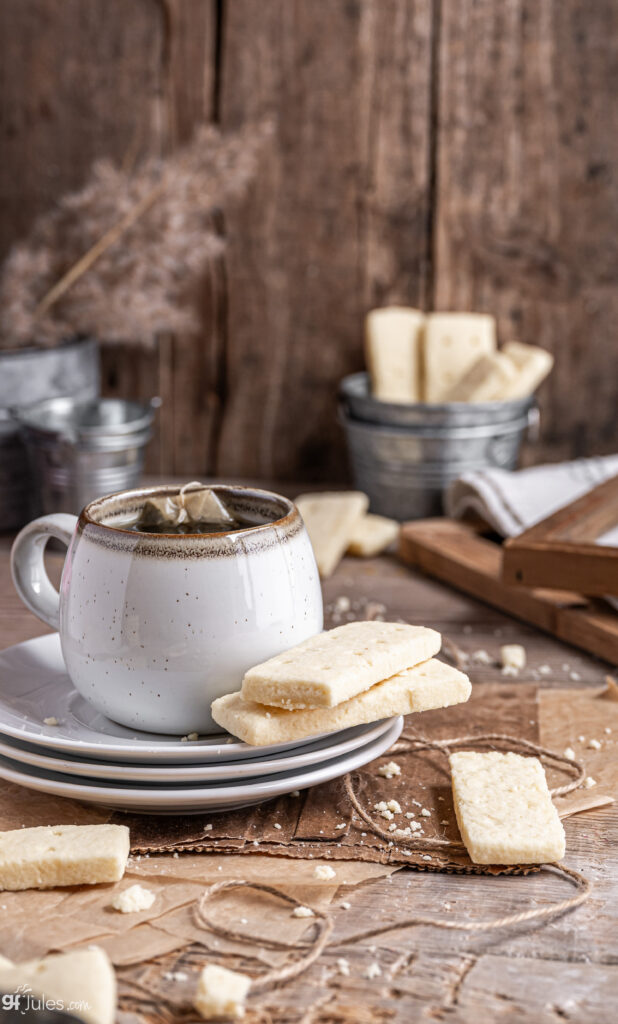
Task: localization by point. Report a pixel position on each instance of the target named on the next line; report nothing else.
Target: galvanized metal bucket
(80, 451)
(404, 456)
(31, 375)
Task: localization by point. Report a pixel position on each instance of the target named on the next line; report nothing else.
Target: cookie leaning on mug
(354, 674)
(422, 688)
(338, 664)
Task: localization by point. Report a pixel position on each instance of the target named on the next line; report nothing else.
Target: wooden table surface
(566, 970)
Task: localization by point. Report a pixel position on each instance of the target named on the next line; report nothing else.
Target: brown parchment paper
(572, 718)
(177, 857)
(33, 923)
(308, 823)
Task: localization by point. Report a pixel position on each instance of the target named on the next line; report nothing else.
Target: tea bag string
(195, 485)
(179, 502)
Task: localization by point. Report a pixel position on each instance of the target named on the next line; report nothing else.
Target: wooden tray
(562, 551)
(455, 553)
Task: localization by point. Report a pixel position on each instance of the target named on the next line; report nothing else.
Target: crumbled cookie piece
(323, 872)
(390, 770)
(303, 912)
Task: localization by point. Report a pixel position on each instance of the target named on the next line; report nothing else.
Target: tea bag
(205, 506)
(159, 512)
(193, 504)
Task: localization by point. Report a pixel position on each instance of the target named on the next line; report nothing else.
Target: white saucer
(197, 798)
(333, 745)
(34, 685)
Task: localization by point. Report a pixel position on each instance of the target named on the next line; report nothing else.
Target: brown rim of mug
(290, 519)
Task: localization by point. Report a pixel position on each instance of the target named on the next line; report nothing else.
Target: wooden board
(561, 551)
(455, 553)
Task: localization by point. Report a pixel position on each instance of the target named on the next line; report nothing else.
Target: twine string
(412, 841)
(324, 924)
(534, 914)
(278, 975)
(411, 743)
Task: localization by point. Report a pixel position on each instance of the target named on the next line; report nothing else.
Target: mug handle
(28, 566)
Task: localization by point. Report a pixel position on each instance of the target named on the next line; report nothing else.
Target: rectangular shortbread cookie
(423, 688)
(453, 343)
(532, 365)
(487, 380)
(330, 520)
(331, 667)
(51, 855)
(393, 338)
(504, 809)
(83, 978)
(372, 535)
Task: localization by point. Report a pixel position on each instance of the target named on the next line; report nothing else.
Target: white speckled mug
(153, 626)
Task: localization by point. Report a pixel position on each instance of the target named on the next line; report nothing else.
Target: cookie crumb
(302, 912)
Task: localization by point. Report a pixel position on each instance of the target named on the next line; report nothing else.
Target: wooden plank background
(443, 154)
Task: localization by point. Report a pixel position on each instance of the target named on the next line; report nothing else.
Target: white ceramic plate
(34, 685)
(196, 798)
(333, 745)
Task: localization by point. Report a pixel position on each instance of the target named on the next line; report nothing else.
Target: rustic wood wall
(443, 153)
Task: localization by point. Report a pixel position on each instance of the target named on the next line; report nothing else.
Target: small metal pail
(80, 451)
(404, 455)
(31, 375)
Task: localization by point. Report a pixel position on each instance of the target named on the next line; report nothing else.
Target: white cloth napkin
(512, 502)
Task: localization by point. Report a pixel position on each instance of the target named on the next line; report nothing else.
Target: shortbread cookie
(453, 343)
(393, 337)
(331, 519)
(532, 365)
(372, 535)
(487, 380)
(331, 667)
(423, 688)
(504, 809)
(50, 855)
(84, 978)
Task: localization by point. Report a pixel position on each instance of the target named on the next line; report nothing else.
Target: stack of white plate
(89, 758)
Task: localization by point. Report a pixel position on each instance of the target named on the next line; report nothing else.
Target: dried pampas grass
(121, 259)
